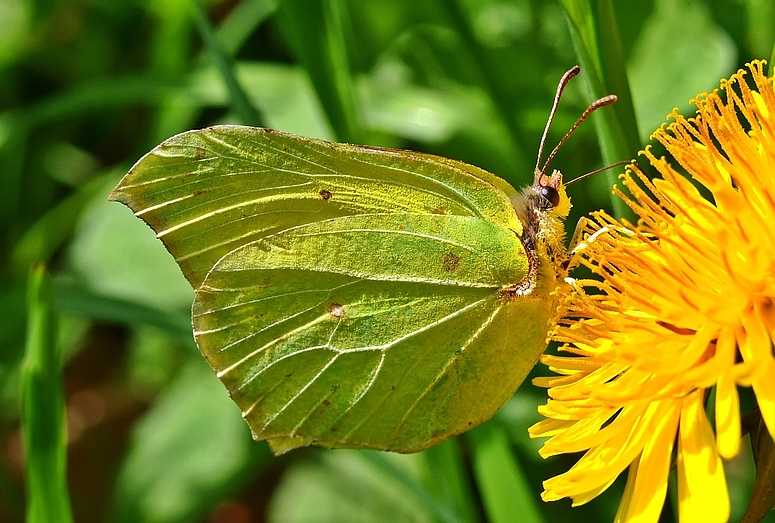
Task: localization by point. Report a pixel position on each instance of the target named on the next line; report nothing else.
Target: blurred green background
(88, 86)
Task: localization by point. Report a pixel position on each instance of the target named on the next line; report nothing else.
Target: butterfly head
(552, 198)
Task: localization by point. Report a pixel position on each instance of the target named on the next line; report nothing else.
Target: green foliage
(86, 88)
(43, 419)
(315, 31)
(657, 86)
(237, 97)
(168, 473)
(504, 487)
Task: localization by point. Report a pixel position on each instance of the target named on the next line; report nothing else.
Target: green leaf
(771, 65)
(74, 298)
(239, 100)
(187, 453)
(582, 19)
(505, 490)
(488, 76)
(241, 22)
(43, 409)
(284, 94)
(396, 467)
(48, 234)
(347, 296)
(680, 52)
(616, 81)
(349, 486)
(596, 38)
(447, 479)
(108, 246)
(16, 31)
(314, 29)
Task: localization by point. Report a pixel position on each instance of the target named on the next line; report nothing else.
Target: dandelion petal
(702, 486)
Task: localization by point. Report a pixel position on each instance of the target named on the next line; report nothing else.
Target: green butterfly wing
(207, 192)
(346, 296)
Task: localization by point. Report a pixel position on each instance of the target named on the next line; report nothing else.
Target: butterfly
(352, 296)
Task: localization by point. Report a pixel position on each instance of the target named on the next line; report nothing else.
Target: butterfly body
(542, 208)
(354, 296)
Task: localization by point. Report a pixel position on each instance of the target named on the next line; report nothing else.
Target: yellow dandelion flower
(685, 302)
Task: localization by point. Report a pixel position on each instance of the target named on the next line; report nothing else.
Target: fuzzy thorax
(543, 231)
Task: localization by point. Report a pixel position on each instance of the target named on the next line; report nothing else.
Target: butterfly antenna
(597, 104)
(587, 175)
(573, 71)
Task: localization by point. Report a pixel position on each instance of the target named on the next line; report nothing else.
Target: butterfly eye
(551, 195)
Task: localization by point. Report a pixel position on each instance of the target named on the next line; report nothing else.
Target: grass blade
(43, 409)
(446, 478)
(489, 78)
(241, 22)
(239, 100)
(54, 228)
(314, 29)
(771, 68)
(505, 490)
(439, 512)
(79, 300)
(605, 73)
(615, 75)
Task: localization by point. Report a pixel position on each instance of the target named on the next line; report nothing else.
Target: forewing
(382, 331)
(210, 191)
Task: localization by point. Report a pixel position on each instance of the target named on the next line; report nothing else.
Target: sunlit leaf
(169, 473)
(348, 486)
(680, 52)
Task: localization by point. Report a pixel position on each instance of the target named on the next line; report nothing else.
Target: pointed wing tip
(117, 195)
(122, 195)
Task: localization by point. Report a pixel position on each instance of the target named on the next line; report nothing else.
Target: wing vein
(446, 367)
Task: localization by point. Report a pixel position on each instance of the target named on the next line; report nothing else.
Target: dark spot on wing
(325, 194)
(326, 402)
(451, 261)
(438, 210)
(199, 192)
(336, 310)
(199, 153)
